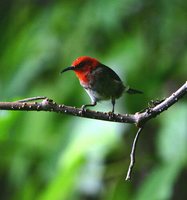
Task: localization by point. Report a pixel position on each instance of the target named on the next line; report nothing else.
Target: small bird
(99, 81)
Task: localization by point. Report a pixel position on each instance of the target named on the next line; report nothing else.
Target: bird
(99, 81)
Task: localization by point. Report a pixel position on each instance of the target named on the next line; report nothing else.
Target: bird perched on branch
(99, 81)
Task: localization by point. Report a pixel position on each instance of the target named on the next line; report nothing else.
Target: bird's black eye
(81, 65)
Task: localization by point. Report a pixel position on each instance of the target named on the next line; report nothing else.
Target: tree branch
(139, 118)
(163, 105)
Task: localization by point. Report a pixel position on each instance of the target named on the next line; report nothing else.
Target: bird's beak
(67, 69)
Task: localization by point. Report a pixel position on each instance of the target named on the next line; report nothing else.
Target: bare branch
(138, 118)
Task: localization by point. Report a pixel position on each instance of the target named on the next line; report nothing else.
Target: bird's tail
(133, 91)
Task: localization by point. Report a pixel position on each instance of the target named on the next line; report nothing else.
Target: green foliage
(49, 156)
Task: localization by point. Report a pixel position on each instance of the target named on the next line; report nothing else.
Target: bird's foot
(83, 108)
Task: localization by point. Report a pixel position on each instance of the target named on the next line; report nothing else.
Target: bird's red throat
(82, 76)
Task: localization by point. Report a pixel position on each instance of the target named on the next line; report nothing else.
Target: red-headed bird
(99, 81)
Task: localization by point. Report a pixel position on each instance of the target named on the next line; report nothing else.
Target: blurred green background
(49, 156)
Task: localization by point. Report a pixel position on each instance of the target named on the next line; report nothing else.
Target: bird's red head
(84, 63)
(82, 66)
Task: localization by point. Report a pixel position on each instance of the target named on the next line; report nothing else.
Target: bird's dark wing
(110, 72)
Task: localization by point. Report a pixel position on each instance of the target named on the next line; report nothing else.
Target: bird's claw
(111, 113)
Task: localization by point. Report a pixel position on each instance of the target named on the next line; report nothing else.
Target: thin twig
(32, 99)
(132, 154)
